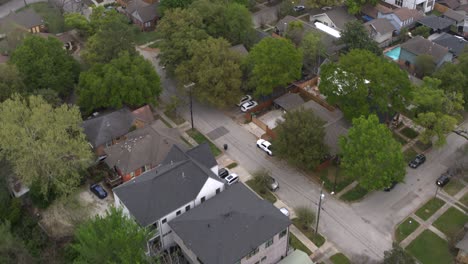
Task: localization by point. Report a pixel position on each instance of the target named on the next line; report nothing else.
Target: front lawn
(405, 229)
(428, 209)
(464, 199)
(355, 194)
(451, 222)
(328, 176)
(399, 139)
(297, 244)
(317, 239)
(409, 154)
(429, 248)
(339, 258)
(51, 15)
(409, 133)
(200, 138)
(143, 37)
(265, 194)
(453, 187)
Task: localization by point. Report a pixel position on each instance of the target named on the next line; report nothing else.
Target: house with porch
(183, 181)
(234, 227)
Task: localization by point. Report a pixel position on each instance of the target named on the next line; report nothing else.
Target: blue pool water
(393, 53)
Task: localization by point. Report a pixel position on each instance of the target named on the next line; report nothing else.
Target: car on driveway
(285, 211)
(265, 146)
(98, 190)
(299, 8)
(443, 180)
(248, 105)
(417, 161)
(232, 178)
(223, 173)
(273, 185)
(244, 99)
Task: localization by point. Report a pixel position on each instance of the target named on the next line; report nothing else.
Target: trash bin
(225, 146)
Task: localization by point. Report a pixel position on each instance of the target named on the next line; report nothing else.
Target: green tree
(12, 249)
(425, 65)
(43, 64)
(371, 155)
(321, 3)
(295, 32)
(305, 216)
(10, 81)
(355, 36)
(284, 9)
(454, 79)
(79, 22)
(115, 238)
(126, 80)
(215, 70)
(421, 31)
(300, 139)
(261, 179)
(273, 62)
(45, 145)
(397, 255)
(177, 29)
(354, 6)
(362, 83)
(312, 48)
(173, 4)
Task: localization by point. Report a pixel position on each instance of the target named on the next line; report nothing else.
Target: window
(148, 24)
(399, 3)
(178, 213)
(164, 221)
(218, 190)
(251, 254)
(283, 233)
(269, 243)
(203, 199)
(264, 258)
(187, 208)
(132, 174)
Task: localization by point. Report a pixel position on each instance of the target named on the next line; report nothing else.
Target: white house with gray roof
(423, 5)
(183, 181)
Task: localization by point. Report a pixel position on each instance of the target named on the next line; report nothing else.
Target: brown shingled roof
(405, 13)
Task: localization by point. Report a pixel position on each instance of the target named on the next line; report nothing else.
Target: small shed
(289, 101)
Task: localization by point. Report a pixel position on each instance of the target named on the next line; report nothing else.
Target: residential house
(234, 227)
(297, 257)
(452, 4)
(143, 13)
(422, 5)
(402, 17)
(107, 129)
(436, 24)
(381, 31)
(418, 45)
(289, 101)
(142, 150)
(183, 181)
(27, 20)
(460, 18)
(454, 44)
(372, 12)
(336, 17)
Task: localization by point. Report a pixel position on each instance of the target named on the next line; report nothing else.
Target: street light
(322, 195)
(190, 85)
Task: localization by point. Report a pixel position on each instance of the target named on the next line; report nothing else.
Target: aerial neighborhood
(234, 132)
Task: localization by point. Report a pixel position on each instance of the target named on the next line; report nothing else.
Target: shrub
(305, 215)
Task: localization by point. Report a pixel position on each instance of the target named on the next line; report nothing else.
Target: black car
(98, 191)
(223, 173)
(443, 180)
(389, 188)
(417, 161)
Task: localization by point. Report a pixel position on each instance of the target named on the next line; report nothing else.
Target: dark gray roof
(27, 18)
(145, 146)
(142, 11)
(202, 154)
(228, 227)
(454, 4)
(381, 25)
(154, 194)
(455, 44)
(104, 128)
(458, 16)
(419, 45)
(289, 101)
(340, 16)
(435, 22)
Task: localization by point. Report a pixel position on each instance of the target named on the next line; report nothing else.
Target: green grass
(317, 239)
(409, 132)
(178, 120)
(143, 37)
(399, 139)
(154, 46)
(200, 138)
(453, 187)
(354, 194)
(328, 177)
(428, 209)
(464, 199)
(451, 222)
(409, 154)
(339, 258)
(265, 193)
(296, 244)
(429, 248)
(405, 229)
(232, 165)
(52, 16)
(423, 147)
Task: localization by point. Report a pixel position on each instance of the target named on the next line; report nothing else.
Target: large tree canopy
(126, 80)
(371, 155)
(215, 70)
(355, 36)
(312, 48)
(362, 83)
(300, 139)
(273, 62)
(12, 248)
(354, 6)
(43, 64)
(10, 81)
(45, 145)
(172, 4)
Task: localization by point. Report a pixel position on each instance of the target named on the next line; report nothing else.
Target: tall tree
(215, 70)
(173, 4)
(115, 238)
(397, 255)
(300, 139)
(79, 22)
(45, 145)
(454, 78)
(362, 83)
(177, 29)
(371, 155)
(12, 248)
(312, 48)
(355, 36)
(273, 62)
(10, 81)
(425, 65)
(43, 64)
(126, 80)
(354, 6)
(295, 32)
(422, 31)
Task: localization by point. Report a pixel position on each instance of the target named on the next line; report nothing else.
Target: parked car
(273, 185)
(285, 211)
(265, 146)
(232, 178)
(299, 8)
(98, 190)
(443, 180)
(248, 105)
(244, 99)
(392, 185)
(223, 173)
(417, 161)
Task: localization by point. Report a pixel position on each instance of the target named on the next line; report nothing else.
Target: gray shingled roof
(104, 128)
(142, 11)
(340, 16)
(160, 191)
(145, 146)
(202, 154)
(454, 4)
(435, 22)
(419, 45)
(456, 45)
(27, 18)
(289, 101)
(381, 25)
(228, 227)
(458, 16)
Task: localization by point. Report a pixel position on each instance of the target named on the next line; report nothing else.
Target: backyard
(429, 208)
(429, 248)
(405, 229)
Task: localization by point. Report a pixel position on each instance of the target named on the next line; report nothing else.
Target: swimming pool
(393, 53)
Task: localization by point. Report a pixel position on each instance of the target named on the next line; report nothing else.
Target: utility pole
(190, 85)
(319, 208)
